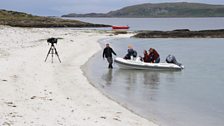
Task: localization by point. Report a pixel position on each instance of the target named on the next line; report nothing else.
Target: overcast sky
(60, 7)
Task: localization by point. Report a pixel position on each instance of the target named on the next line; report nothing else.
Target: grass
(19, 19)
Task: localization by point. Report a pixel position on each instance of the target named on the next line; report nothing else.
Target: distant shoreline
(140, 17)
(181, 33)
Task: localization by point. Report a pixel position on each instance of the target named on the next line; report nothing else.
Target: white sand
(35, 93)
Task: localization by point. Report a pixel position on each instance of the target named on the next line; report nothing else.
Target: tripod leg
(57, 54)
(47, 54)
(52, 54)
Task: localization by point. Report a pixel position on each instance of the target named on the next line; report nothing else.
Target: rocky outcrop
(181, 33)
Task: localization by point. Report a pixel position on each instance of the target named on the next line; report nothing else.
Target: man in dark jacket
(107, 52)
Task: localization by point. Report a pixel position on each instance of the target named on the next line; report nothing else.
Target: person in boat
(153, 56)
(107, 52)
(131, 53)
(146, 56)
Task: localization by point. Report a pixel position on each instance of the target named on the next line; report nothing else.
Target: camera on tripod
(52, 49)
(52, 40)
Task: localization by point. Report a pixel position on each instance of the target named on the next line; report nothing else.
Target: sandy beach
(38, 93)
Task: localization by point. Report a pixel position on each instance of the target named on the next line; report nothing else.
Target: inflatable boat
(138, 64)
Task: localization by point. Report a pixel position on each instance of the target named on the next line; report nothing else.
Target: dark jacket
(107, 52)
(146, 57)
(131, 52)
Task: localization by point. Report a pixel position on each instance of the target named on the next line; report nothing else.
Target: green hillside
(179, 9)
(19, 19)
(170, 10)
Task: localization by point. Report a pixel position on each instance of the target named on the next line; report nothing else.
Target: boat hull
(120, 27)
(133, 64)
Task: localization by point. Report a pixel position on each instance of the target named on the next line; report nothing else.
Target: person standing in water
(107, 52)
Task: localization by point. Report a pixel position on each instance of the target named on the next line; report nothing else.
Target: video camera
(52, 49)
(52, 40)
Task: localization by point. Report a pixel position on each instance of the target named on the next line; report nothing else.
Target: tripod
(52, 51)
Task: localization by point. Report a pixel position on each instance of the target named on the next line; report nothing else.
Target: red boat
(120, 27)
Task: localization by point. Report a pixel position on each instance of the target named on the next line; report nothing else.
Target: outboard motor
(172, 59)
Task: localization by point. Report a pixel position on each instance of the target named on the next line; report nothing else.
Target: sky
(61, 7)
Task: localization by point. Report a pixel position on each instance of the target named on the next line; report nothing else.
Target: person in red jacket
(154, 56)
(146, 56)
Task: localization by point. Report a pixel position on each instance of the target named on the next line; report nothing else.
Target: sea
(191, 97)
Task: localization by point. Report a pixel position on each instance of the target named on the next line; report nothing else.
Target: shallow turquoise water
(192, 97)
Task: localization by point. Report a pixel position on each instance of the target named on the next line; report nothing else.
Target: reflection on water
(140, 84)
(132, 77)
(150, 79)
(108, 77)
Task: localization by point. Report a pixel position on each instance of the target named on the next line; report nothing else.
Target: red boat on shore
(120, 27)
